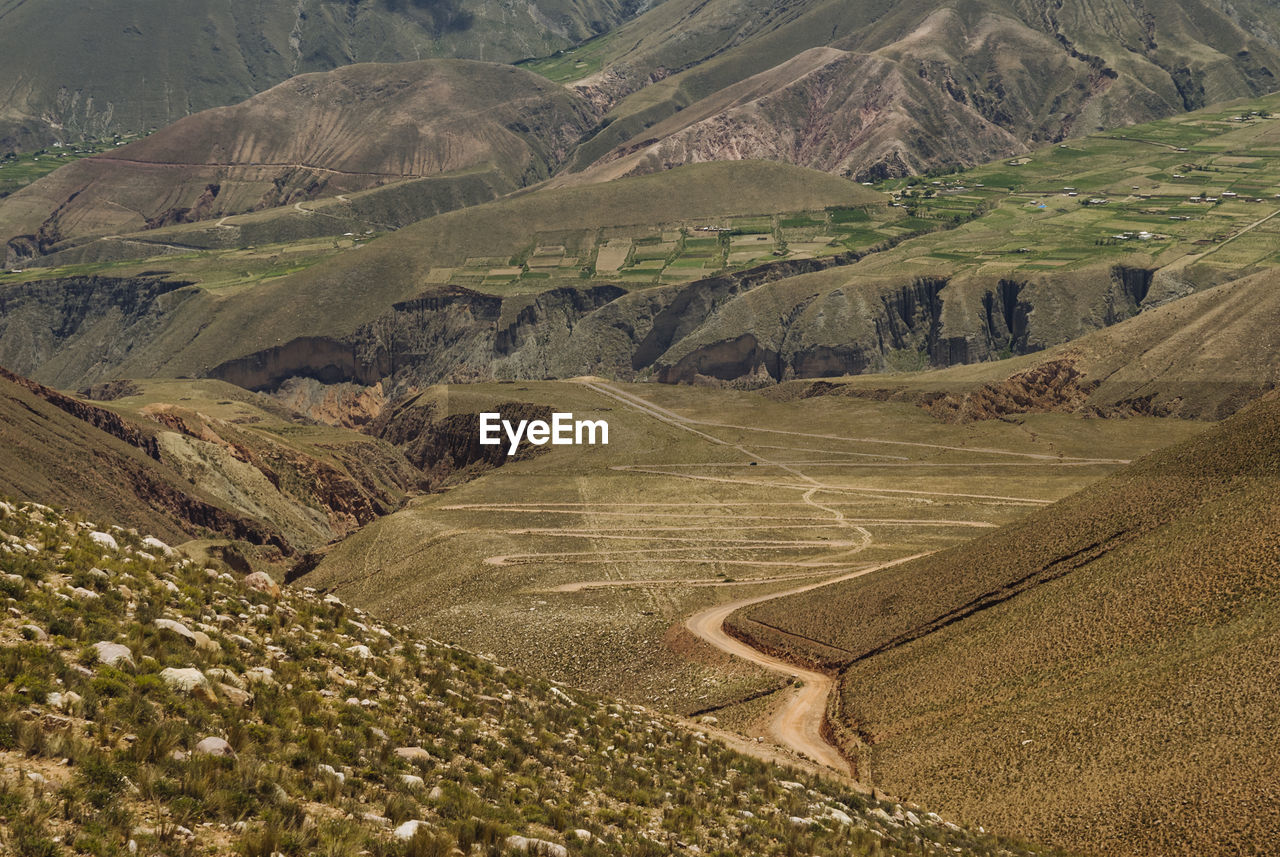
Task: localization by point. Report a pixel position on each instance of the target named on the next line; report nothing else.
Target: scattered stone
(330, 771)
(413, 754)
(113, 654)
(234, 695)
(85, 594)
(34, 632)
(157, 545)
(540, 847)
(413, 781)
(106, 540)
(177, 628)
(213, 746)
(260, 581)
(186, 679)
(405, 831)
(205, 643)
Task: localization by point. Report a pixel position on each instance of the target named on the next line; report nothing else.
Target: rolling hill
(315, 135)
(77, 70)
(876, 89)
(1073, 673)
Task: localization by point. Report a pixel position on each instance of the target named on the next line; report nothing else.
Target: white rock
(839, 815)
(260, 675)
(213, 746)
(106, 540)
(85, 594)
(405, 831)
(328, 770)
(260, 581)
(155, 544)
(413, 781)
(374, 818)
(35, 632)
(186, 679)
(113, 654)
(37, 778)
(540, 847)
(360, 651)
(176, 628)
(413, 754)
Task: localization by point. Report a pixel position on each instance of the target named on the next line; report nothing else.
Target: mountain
(322, 134)
(897, 88)
(1072, 674)
(133, 67)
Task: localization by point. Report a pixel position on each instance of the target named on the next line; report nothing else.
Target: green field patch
(849, 215)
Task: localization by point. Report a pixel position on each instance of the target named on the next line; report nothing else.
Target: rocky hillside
(197, 460)
(322, 134)
(869, 90)
(155, 705)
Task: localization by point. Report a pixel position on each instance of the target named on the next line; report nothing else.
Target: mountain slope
(315, 135)
(120, 67)
(1204, 356)
(196, 461)
(691, 81)
(1074, 673)
(159, 705)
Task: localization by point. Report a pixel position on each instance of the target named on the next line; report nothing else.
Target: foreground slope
(77, 70)
(1073, 674)
(314, 135)
(162, 705)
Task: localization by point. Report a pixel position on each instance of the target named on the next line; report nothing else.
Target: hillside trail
(797, 724)
(798, 721)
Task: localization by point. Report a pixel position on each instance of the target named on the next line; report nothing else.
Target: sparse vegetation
(171, 707)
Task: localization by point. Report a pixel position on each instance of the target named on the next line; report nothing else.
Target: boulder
(212, 746)
(113, 654)
(405, 831)
(205, 643)
(540, 847)
(176, 628)
(105, 540)
(34, 632)
(234, 695)
(260, 581)
(187, 679)
(157, 545)
(413, 781)
(413, 754)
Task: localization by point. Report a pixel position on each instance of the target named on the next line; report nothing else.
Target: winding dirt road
(798, 722)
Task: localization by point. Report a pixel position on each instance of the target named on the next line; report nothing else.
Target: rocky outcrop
(445, 445)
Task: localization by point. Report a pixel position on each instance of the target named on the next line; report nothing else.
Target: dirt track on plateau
(798, 722)
(721, 537)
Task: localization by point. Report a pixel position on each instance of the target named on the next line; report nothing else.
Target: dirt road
(798, 723)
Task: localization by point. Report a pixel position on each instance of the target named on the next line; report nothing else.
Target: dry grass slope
(1080, 674)
(153, 705)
